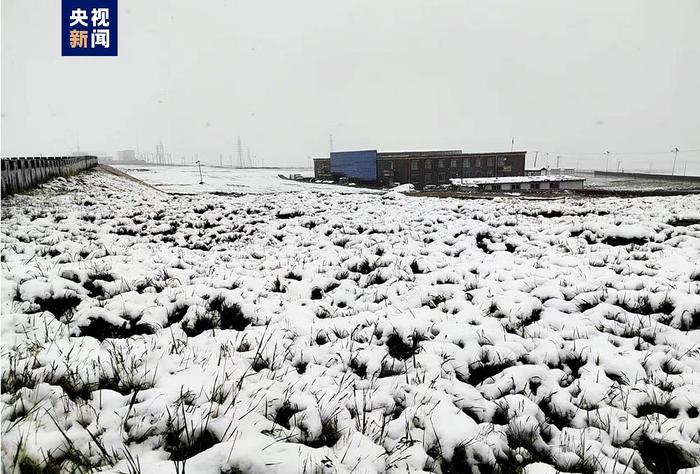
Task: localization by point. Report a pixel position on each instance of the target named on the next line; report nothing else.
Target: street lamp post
(675, 155)
(201, 180)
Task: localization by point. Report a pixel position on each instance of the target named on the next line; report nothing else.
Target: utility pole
(330, 142)
(559, 169)
(675, 155)
(607, 159)
(618, 166)
(240, 153)
(512, 143)
(535, 165)
(201, 180)
(685, 167)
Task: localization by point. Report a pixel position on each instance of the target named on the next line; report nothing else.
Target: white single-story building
(520, 183)
(536, 171)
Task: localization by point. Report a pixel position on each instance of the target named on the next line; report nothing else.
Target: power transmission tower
(160, 153)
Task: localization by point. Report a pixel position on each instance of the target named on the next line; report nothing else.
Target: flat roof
(513, 179)
(403, 153)
(408, 155)
(417, 154)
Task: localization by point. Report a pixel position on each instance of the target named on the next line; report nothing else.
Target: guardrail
(23, 173)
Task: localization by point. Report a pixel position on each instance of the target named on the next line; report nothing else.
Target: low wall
(23, 173)
(667, 177)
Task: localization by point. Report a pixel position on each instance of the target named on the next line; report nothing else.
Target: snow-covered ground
(319, 332)
(616, 183)
(185, 180)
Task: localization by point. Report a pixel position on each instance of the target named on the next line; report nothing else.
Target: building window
(428, 164)
(534, 185)
(441, 163)
(428, 177)
(389, 165)
(489, 161)
(477, 163)
(500, 160)
(554, 185)
(467, 163)
(497, 187)
(515, 187)
(414, 165)
(453, 163)
(442, 178)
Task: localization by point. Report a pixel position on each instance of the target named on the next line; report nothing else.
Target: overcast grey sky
(560, 76)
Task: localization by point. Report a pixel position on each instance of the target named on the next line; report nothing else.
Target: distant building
(126, 155)
(420, 168)
(568, 171)
(520, 183)
(536, 171)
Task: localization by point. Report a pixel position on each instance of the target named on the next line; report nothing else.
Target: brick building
(420, 168)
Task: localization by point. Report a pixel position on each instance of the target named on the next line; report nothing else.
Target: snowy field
(185, 180)
(615, 183)
(326, 333)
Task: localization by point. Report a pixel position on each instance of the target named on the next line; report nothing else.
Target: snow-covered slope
(317, 332)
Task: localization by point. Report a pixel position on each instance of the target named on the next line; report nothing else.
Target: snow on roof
(513, 179)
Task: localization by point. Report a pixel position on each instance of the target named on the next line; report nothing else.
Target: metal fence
(23, 173)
